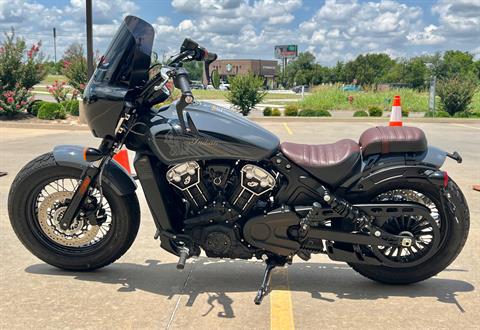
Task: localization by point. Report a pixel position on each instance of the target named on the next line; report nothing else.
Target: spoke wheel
(50, 206)
(424, 231)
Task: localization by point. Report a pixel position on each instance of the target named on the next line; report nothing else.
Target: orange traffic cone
(122, 158)
(396, 115)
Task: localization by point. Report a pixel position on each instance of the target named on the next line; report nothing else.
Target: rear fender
(114, 175)
(381, 169)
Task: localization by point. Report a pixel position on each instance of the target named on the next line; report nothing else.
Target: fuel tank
(222, 134)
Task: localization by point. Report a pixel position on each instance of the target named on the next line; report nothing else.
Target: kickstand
(264, 288)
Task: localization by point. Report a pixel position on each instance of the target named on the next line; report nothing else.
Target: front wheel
(38, 198)
(437, 240)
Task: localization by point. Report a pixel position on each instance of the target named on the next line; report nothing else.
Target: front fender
(114, 175)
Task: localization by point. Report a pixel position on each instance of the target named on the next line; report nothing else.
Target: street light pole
(55, 44)
(89, 39)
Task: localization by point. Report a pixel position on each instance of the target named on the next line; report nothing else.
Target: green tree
(195, 70)
(19, 66)
(75, 66)
(245, 92)
(369, 68)
(457, 63)
(298, 71)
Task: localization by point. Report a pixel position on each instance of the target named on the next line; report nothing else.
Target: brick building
(263, 68)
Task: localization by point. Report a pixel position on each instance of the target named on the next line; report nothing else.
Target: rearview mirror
(188, 44)
(215, 79)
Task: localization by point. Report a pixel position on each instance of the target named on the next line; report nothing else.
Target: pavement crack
(180, 294)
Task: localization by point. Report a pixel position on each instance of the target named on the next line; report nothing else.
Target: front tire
(23, 206)
(455, 226)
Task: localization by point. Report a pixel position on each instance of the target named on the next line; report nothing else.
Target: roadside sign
(286, 51)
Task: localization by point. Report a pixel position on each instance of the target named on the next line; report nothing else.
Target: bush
(314, 113)
(14, 101)
(34, 106)
(245, 92)
(462, 114)
(75, 67)
(375, 111)
(50, 111)
(276, 112)
(291, 110)
(267, 111)
(72, 107)
(360, 113)
(455, 94)
(438, 114)
(405, 112)
(60, 92)
(19, 67)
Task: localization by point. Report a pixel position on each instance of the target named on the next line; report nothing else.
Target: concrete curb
(380, 120)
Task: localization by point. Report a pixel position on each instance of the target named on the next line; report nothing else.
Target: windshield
(128, 57)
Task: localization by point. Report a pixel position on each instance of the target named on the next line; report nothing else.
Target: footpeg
(183, 254)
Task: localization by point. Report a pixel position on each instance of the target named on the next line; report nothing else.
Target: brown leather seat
(328, 162)
(391, 139)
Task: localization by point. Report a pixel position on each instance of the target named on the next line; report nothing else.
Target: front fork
(96, 160)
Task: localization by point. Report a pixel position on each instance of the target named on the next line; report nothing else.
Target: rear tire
(452, 244)
(125, 217)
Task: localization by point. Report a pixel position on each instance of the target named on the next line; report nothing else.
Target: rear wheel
(37, 201)
(437, 239)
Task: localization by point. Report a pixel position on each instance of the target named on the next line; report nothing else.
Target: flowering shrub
(60, 91)
(19, 66)
(20, 69)
(75, 67)
(14, 101)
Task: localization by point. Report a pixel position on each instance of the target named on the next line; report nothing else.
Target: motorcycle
(217, 182)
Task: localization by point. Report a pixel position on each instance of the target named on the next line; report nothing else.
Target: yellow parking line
(467, 126)
(287, 129)
(281, 311)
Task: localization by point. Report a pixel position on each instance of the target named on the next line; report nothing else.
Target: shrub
(291, 110)
(276, 112)
(314, 113)
(34, 106)
(19, 67)
(267, 111)
(462, 114)
(72, 107)
(455, 94)
(245, 92)
(59, 91)
(50, 111)
(360, 113)
(75, 67)
(405, 112)
(375, 111)
(14, 101)
(438, 114)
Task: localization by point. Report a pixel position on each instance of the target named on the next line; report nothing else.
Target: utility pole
(89, 39)
(55, 44)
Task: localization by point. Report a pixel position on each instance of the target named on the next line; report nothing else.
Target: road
(144, 290)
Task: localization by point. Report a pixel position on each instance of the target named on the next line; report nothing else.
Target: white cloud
(428, 36)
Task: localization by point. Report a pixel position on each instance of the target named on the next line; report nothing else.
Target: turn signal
(91, 154)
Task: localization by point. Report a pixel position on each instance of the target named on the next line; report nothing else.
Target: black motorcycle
(217, 182)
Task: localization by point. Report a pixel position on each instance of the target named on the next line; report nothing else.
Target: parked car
(197, 85)
(351, 88)
(224, 87)
(298, 89)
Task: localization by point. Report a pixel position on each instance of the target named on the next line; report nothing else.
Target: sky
(333, 30)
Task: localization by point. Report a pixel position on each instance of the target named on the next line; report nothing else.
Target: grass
(207, 94)
(332, 98)
(50, 79)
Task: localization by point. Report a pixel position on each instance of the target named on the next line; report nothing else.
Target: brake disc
(51, 211)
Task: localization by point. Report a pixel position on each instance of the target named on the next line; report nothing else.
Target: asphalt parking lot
(144, 290)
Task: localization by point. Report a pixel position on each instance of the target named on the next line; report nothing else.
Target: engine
(219, 196)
